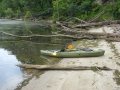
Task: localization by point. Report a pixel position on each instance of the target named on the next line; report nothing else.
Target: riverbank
(87, 79)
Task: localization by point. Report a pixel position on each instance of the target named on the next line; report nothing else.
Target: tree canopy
(60, 9)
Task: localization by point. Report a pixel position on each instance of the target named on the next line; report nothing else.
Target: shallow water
(10, 75)
(13, 52)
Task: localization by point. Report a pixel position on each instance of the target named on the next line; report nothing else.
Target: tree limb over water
(36, 35)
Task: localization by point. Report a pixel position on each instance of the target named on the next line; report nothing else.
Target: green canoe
(73, 53)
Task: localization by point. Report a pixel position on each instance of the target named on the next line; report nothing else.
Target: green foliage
(9, 12)
(27, 15)
(86, 9)
(60, 9)
(116, 10)
(20, 8)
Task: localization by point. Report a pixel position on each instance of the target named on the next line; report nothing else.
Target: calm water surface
(13, 52)
(10, 74)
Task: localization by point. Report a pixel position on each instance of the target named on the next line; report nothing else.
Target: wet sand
(86, 79)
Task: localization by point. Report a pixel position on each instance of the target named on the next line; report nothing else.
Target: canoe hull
(73, 54)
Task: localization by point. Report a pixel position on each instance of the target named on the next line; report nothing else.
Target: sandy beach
(85, 79)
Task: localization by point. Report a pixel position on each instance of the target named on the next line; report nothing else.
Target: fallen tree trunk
(98, 24)
(58, 67)
(88, 35)
(66, 29)
(76, 35)
(37, 35)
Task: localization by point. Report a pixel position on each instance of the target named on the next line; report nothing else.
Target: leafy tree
(9, 12)
(60, 9)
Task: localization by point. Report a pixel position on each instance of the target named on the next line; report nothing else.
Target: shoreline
(81, 80)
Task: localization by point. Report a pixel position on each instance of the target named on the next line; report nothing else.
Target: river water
(14, 51)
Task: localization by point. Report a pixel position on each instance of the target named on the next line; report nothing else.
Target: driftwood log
(58, 67)
(90, 35)
(35, 35)
(98, 23)
(73, 31)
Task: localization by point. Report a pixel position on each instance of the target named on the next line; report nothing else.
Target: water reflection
(13, 52)
(29, 52)
(23, 28)
(10, 74)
